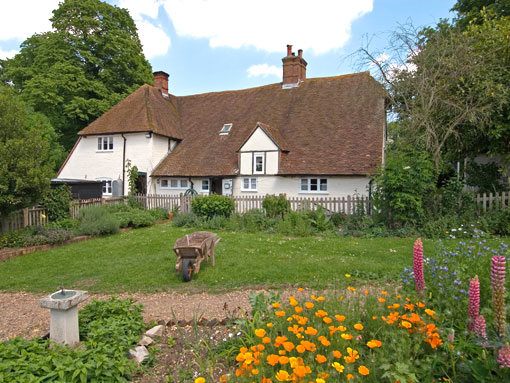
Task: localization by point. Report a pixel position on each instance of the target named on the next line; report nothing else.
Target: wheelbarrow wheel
(187, 269)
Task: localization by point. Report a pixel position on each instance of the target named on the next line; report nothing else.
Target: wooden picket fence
(493, 201)
(346, 205)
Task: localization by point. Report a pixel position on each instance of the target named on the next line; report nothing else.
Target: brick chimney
(294, 68)
(161, 81)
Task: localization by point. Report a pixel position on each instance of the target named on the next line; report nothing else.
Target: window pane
(164, 183)
(246, 183)
(174, 183)
(184, 183)
(205, 184)
(259, 164)
(254, 184)
(99, 143)
(304, 184)
(324, 184)
(109, 187)
(104, 187)
(313, 184)
(110, 139)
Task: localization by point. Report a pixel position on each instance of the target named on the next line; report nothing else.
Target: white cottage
(302, 137)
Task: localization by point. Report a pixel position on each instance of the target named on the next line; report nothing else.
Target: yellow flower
(43, 216)
(384, 292)
(346, 336)
(280, 313)
(363, 370)
(381, 300)
(374, 343)
(347, 275)
(200, 380)
(358, 326)
(327, 320)
(311, 331)
(276, 305)
(350, 376)
(309, 305)
(260, 332)
(266, 340)
(430, 312)
(406, 324)
(300, 289)
(269, 324)
(353, 355)
(272, 359)
(255, 371)
(293, 301)
(337, 366)
(319, 380)
(351, 288)
(298, 309)
(340, 318)
(282, 376)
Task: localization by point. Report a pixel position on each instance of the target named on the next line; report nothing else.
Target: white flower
(407, 167)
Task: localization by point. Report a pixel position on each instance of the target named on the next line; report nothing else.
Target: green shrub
(498, 221)
(65, 223)
(255, 220)
(108, 329)
(186, 220)
(46, 236)
(125, 218)
(57, 203)
(212, 205)
(159, 213)
(13, 238)
(319, 220)
(295, 223)
(142, 218)
(276, 206)
(97, 220)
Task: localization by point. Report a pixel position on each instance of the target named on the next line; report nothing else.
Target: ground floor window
(314, 185)
(174, 183)
(205, 186)
(107, 185)
(249, 184)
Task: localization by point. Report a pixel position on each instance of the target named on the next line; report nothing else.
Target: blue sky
(216, 45)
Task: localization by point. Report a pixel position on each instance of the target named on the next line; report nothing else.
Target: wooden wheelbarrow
(192, 249)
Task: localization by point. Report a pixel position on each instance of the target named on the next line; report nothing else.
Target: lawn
(142, 260)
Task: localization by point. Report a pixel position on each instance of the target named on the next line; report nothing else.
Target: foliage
(108, 330)
(143, 219)
(468, 11)
(320, 221)
(212, 205)
(132, 174)
(28, 154)
(40, 235)
(276, 206)
(96, 220)
(57, 203)
(90, 61)
(486, 177)
(498, 221)
(407, 177)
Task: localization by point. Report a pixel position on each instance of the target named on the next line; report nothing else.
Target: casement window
(258, 163)
(226, 129)
(104, 143)
(313, 185)
(107, 185)
(249, 184)
(174, 183)
(205, 186)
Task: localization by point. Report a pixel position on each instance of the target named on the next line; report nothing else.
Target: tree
(469, 10)
(28, 154)
(90, 61)
(443, 85)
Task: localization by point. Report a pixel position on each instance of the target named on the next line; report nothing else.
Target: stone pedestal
(64, 316)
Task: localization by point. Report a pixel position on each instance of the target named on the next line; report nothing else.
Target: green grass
(143, 260)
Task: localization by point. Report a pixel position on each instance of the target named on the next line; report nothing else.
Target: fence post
(25, 217)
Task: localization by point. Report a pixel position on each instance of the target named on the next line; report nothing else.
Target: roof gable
(272, 134)
(145, 110)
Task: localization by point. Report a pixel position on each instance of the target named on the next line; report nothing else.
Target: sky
(217, 45)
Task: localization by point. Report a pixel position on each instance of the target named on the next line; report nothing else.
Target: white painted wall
(259, 141)
(339, 186)
(246, 163)
(86, 162)
(272, 162)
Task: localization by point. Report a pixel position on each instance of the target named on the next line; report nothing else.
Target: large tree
(448, 87)
(28, 153)
(90, 61)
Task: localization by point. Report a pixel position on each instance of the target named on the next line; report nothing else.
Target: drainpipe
(190, 182)
(123, 164)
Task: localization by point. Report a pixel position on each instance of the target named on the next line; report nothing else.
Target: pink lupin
(498, 267)
(504, 356)
(474, 302)
(418, 266)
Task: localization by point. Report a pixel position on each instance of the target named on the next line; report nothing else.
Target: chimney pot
(300, 53)
(161, 81)
(289, 50)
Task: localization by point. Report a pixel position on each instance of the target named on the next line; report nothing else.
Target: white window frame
(205, 181)
(309, 181)
(262, 157)
(106, 182)
(225, 129)
(101, 140)
(252, 184)
(179, 184)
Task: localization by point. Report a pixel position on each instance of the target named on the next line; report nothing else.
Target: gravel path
(21, 315)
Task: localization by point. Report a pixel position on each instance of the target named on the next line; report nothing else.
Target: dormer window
(225, 130)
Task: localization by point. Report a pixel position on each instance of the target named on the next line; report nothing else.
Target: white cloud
(268, 24)
(154, 39)
(22, 18)
(264, 70)
(7, 54)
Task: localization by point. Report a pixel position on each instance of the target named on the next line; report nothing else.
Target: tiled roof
(332, 125)
(142, 111)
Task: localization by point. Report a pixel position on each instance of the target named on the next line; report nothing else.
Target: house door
(216, 186)
(141, 184)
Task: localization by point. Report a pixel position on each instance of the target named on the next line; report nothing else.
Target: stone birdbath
(63, 307)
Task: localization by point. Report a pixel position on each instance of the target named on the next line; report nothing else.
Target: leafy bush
(498, 221)
(276, 206)
(108, 329)
(97, 220)
(13, 238)
(57, 203)
(186, 220)
(125, 218)
(487, 177)
(65, 223)
(212, 205)
(159, 213)
(143, 218)
(319, 220)
(46, 236)
(295, 223)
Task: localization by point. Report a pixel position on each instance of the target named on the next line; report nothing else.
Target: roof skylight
(226, 129)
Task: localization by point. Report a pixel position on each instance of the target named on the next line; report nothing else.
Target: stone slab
(63, 304)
